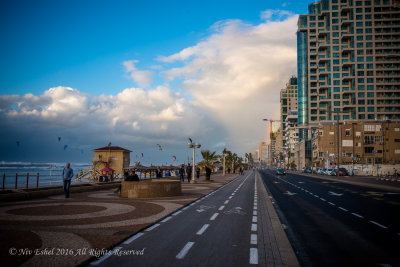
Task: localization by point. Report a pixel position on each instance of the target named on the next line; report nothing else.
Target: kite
(142, 155)
(159, 147)
(109, 144)
(59, 139)
(136, 156)
(174, 158)
(190, 139)
(65, 147)
(17, 143)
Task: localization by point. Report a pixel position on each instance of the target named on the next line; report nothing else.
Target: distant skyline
(139, 73)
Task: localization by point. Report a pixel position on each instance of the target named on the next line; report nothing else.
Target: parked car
(280, 171)
(307, 170)
(343, 172)
(322, 171)
(329, 171)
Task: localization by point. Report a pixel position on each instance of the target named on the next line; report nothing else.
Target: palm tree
(208, 162)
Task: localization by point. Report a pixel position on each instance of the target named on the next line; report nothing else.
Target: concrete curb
(286, 251)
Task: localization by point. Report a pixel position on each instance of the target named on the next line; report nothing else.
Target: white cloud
(141, 77)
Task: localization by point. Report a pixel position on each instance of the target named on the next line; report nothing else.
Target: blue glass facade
(302, 72)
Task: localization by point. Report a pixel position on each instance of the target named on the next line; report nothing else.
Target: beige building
(114, 157)
(359, 143)
(263, 153)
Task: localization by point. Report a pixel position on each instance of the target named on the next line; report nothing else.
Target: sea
(50, 174)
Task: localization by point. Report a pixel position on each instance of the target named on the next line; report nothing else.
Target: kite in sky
(142, 155)
(174, 158)
(65, 147)
(59, 139)
(159, 147)
(17, 143)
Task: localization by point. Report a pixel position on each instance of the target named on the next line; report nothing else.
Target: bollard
(4, 179)
(37, 180)
(16, 180)
(27, 180)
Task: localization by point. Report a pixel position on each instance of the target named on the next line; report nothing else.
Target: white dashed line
(128, 241)
(254, 219)
(255, 212)
(185, 250)
(226, 202)
(342, 208)
(230, 197)
(253, 239)
(378, 224)
(176, 213)
(253, 227)
(152, 227)
(323, 199)
(214, 216)
(203, 229)
(221, 208)
(330, 203)
(358, 215)
(253, 256)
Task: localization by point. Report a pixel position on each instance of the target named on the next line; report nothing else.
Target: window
(370, 87)
(347, 132)
(370, 95)
(361, 95)
(360, 59)
(362, 109)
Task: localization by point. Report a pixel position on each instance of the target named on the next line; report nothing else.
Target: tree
(208, 162)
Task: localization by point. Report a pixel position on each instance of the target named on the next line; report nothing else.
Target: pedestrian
(68, 173)
(240, 171)
(181, 173)
(198, 173)
(189, 172)
(158, 173)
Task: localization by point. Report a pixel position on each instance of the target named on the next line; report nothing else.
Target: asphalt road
(217, 230)
(336, 224)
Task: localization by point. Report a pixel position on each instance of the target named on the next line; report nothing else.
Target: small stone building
(114, 157)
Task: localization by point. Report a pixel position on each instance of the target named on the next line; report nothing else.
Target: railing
(16, 181)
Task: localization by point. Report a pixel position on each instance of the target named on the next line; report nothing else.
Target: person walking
(182, 174)
(189, 172)
(68, 173)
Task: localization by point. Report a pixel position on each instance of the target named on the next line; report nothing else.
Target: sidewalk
(54, 231)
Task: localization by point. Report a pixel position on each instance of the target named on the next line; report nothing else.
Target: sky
(141, 73)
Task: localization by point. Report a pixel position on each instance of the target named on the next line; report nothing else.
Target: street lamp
(194, 146)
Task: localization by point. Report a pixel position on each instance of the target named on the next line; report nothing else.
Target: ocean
(50, 174)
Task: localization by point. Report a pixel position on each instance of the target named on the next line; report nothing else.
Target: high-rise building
(288, 100)
(348, 61)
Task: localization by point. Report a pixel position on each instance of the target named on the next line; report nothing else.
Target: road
(336, 224)
(221, 229)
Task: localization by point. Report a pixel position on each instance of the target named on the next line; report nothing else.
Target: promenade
(54, 231)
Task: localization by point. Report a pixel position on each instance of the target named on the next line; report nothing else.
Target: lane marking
(221, 208)
(330, 203)
(166, 219)
(214, 216)
(230, 197)
(254, 219)
(253, 239)
(254, 212)
(185, 250)
(358, 215)
(254, 227)
(378, 224)
(203, 229)
(152, 227)
(226, 202)
(342, 208)
(323, 199)
(106, 256)
(128, 241)
(253, 256)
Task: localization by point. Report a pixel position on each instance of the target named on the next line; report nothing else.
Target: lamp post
(224, 169)
(194, 146)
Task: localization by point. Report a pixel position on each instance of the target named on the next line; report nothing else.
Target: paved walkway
(55, 231)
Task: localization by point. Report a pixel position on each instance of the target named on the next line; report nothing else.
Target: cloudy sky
(141, 73)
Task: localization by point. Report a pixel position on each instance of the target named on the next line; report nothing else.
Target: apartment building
(349, 61)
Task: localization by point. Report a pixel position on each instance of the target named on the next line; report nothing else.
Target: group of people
(188, 171)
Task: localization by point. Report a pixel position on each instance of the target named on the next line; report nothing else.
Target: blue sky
(85, 46)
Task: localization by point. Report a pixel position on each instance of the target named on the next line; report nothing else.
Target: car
(343, 172)
(280, 171)
(307, 170)
(322, 171)
(328, 172)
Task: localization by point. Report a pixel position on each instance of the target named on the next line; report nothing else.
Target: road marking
(230, 197)
(203, 229)
(226, 202)
(253, 239)
(254, 219)
(358, 215)
(221, 208)
(152, 227)
(185, 208)
(330, 203)
(254, 212)
(378, 224)
(289, 193)
(342, 208)
(335, 194)
(166, 219)
(253, 256)
(214, 216)
(106, 256)
(323, 199)
(128, 241)
(185, 250)
(254, 227)
(233, 194)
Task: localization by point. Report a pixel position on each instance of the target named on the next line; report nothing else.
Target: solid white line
(254, 212)
(253, 239)
(342, 208)
(203, 229)
(226, 202)
(185, 208)
(166, 219)
(330, 203)
(128, 241)
(253, 256)
(106, 256)
(176, 213)
(221, 208)
(358, 215)
(378, 224)
(254, 219)
(254, 227)
(185, 250)
(152, 227)
(214, 216)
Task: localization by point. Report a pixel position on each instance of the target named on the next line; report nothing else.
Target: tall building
(288, 100)
(348, 61)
